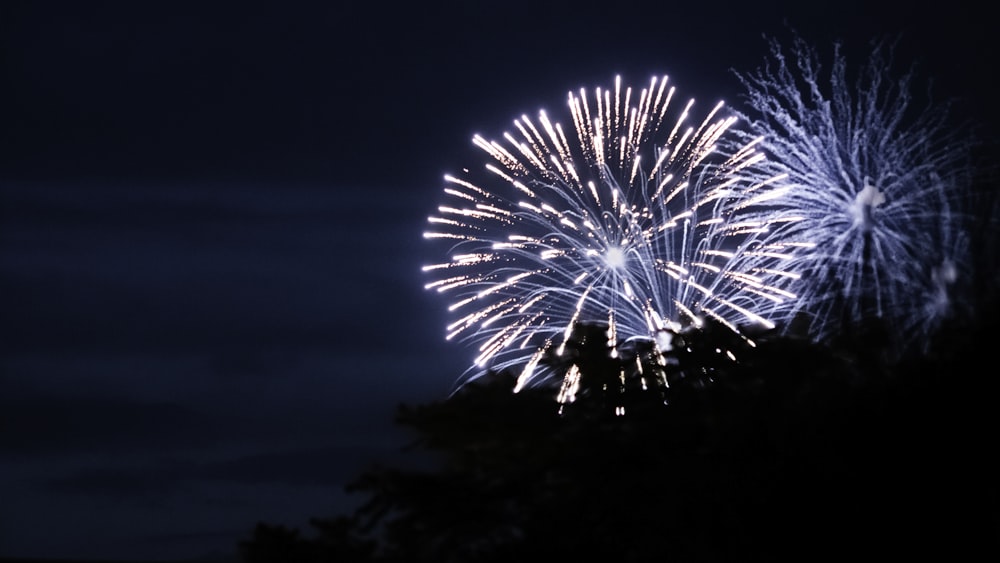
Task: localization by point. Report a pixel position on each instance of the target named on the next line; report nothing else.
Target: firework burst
(881, 182)
(635, 224)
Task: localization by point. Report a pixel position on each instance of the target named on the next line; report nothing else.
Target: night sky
(211, 218)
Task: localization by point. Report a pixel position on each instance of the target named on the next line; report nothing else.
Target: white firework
(635, 223)
(882, 183)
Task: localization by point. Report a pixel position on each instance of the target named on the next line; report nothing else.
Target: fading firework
(883, 184)
(631, 218)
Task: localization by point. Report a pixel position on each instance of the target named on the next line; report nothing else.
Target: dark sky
(211, 217)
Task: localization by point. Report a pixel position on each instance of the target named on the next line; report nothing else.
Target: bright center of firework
(864, 205)
(615, 258)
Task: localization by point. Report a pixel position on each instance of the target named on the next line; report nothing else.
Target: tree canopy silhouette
(790, 451)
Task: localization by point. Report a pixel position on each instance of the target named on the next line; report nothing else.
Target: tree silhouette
(790, 451)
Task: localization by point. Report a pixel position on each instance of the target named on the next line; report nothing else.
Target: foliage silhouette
(793, 451)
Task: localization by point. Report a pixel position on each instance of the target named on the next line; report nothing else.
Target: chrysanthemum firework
(629, 218)
(882, 184)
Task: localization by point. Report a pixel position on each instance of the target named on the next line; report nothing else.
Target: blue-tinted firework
(882, 184)
(636, 224)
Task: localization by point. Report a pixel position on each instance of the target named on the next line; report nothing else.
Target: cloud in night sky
(163, 344)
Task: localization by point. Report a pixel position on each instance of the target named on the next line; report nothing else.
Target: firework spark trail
(636, 224)
(881, 182)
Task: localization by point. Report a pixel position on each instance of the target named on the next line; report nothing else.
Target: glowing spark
(658, 247)
(876, 192)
